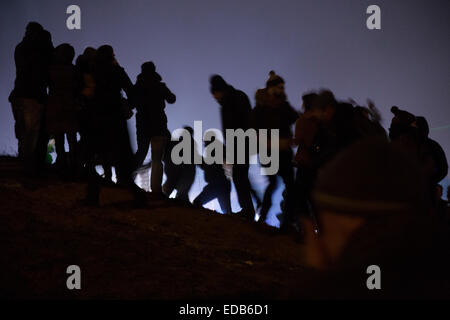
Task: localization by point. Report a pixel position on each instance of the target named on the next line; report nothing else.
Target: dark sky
(311, 44)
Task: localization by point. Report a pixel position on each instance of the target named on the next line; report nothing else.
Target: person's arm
(168, 95)
(125, 82)
(297, 131)
(292, 115)
(127, 86)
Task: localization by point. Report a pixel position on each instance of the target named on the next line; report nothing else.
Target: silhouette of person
(411, 136)
(273, 111)
(432, 156)
(305, 128)
(235, 111)
(151, 121)
(180, 177)
(325, 129)
(107, 127)
(32, 58)
(85, 65)
(218, 186)
(63, 105)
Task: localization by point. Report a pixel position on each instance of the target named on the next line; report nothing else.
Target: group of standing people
(54, 97)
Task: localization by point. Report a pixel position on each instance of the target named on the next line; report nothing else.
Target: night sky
(311, 44)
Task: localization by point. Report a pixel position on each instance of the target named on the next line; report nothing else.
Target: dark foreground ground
(162, 252)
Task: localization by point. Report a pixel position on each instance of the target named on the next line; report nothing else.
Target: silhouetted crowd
(53, 97)
(349, 178)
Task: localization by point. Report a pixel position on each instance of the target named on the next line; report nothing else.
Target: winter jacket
(32, 58)
(63, 102)
(151, 97)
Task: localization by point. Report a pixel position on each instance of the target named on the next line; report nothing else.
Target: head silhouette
(105, 54)
(148, 67)
(402, 123)
(218, 87)
(217, 84)
(64, 54)
(275, 85)
(309, 100)
(89, 52)
(33, 29)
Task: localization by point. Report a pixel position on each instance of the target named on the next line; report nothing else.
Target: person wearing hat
(151, 95)
(402, 123)
(273, 111)
(235, 111)
(372, 212)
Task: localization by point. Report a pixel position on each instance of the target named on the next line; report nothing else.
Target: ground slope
(166, 251)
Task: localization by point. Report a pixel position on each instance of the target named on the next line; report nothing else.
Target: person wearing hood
(151, 121)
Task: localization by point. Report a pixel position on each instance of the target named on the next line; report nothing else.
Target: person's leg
(143, 144)
(107, 168)
(255, 196)
(223, 196)
(242, 184)
(18, 125)
(267, 199)
(42, 144)
(32, 120)
(185, 182)
(60, 151)
(158, 145)
(123, 157)
(287, 174)
(205, 196)
(73, 161)
(169, 185)
(93, 187)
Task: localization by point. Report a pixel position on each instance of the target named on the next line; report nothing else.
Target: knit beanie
(401, 122)
(273, 80)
